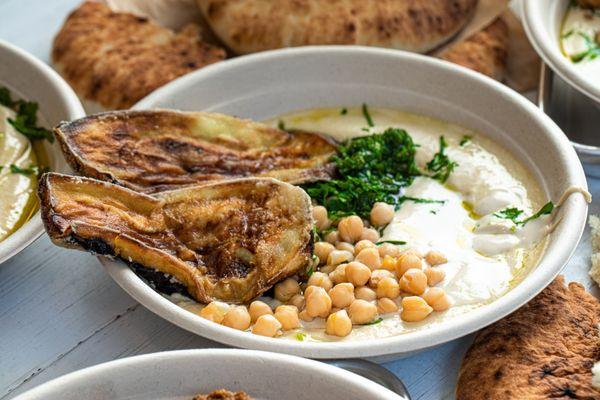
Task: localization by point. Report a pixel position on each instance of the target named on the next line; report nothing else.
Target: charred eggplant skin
(228, 241)
(158, 150)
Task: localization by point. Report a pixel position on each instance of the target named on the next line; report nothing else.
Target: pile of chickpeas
(355, 281)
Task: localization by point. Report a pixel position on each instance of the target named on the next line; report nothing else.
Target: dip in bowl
(508, 155)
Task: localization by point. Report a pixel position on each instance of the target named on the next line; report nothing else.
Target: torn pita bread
(545, 350)
(114, 59)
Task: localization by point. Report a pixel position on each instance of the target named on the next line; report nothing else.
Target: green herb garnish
(514, 213)
(367, 115)
(300, 336)
(344, 111)
(420, 200)
(465, 139)
(26, 120)
(31, 170)
(281, 125)
(440, 165)
(378, 320)
(396, 242)
(592, 52)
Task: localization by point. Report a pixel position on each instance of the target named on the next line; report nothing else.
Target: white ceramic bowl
(30, 79)
(268, 84)
(182, 374)
(543, 20)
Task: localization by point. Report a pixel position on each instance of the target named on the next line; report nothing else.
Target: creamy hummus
(17, 193)
(487, 255)
(579, 35)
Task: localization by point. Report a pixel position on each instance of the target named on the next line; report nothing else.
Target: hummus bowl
(29, 79)
(180, 375)
(561, 33)
(282, 84)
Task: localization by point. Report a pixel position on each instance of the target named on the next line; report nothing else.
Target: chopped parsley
(377, 321)
(396, 242)
(31, 170)
(514, 213)
(420, 200)
(465, 140)
(300, 336)
(440, 165)
(281, 125)
(344, 111)
(26, 120)
(367, 115)
(592, 52)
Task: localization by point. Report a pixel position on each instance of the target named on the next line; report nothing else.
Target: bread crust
(589, 3)
(485, 51)
(249, 26)
(116, 59)
(545, 350)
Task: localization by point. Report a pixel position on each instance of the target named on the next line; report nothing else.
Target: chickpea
(386, 306)
(414, 309)
(339, 324)
(215, 311)
(363, 244)
(414, 251)
(382, 214)
(365, 293)
(267, 325)
(370, 234)
(332, 237)
(362, 312)
(437, 299)
(350, 229)
(237, 318)
(345, 246)
(258, 308)
(339, 274)
(357, 273)
(435, 258)
(370, 257)
(336, 257)
(320, 279)
(318, 302)
(327, 269)
(388, 287)
(304, 316)
(388, 249)
(342, 295)
(389, 263)
(322, 250)
(434, 275)
(297, 301)
(320, 216)
(406, 262)
(287, 289)
(288, 317)
(378, 275)
(414, 281)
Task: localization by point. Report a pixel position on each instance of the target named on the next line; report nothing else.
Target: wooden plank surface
(60, 312)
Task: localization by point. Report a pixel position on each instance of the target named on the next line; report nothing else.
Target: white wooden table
(60, 312)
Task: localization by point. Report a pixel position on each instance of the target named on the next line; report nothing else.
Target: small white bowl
(268, 84)
(30, 79)
(179, 375)
(542, 21)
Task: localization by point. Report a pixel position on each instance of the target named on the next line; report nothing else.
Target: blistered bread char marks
(115, 59)
(153, 151)
(545, 350)
(248, 26)
(230, 240)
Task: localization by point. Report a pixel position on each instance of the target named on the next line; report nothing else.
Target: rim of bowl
(303, 365)
(547, 47)
(575, 215)
(33, 228)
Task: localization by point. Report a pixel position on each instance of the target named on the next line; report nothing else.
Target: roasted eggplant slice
(157, 150)
(229, 240)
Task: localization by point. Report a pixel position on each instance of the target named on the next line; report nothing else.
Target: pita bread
(115, 59)
(589, 3)
(545, 350)
(249, 26)
(485, 51)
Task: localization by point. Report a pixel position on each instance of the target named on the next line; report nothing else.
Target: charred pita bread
(485, 51)
(545, 350)
(249, 26)
(589, 3)
(114, 59)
